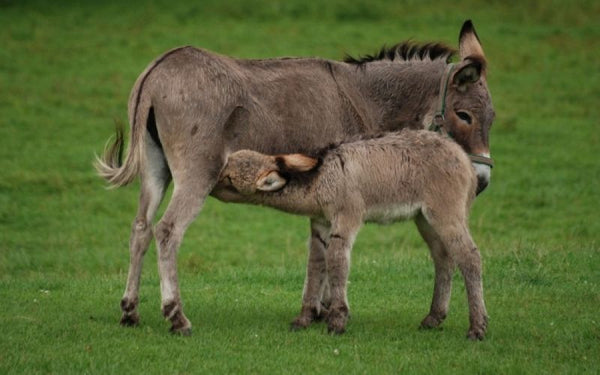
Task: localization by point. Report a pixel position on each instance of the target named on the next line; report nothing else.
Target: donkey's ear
(468, 42)
(297, 162)
(468, 72)
(271, 181)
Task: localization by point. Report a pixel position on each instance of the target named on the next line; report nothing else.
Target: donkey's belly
(389, 213)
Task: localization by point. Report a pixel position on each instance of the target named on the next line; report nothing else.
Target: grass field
(66, 68)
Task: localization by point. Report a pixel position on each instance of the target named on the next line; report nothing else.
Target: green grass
(66, 69)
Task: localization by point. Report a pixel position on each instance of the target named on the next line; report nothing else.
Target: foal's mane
(407, 51)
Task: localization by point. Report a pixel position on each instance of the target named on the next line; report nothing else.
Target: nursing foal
(416, 175)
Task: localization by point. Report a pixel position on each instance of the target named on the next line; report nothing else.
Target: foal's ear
(271, 181)
(297, 162)
(469, 71)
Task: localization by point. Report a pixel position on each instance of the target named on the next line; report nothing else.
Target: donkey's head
(249, 171)
(468, 113)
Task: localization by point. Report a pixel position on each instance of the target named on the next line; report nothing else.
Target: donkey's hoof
(180, 325)
(130, 320)
(185, 331)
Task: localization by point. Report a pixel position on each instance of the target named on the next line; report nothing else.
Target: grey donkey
(416, 175)
(191, 108)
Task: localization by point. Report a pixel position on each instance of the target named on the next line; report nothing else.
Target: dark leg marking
(167, 309)
(130, 316)
(127, 305)
(167, 230)
(336, 320)
(321, 240)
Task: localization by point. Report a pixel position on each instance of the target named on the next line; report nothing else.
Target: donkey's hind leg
(444, 269)
(155, 178)
(193, 183)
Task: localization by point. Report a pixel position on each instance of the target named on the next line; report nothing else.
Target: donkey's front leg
(343, 233)
(315, 284)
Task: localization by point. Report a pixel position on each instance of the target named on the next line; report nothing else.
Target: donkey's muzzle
(482, 183)
(484, 174)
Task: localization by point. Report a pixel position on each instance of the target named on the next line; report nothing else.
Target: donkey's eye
(464, 116)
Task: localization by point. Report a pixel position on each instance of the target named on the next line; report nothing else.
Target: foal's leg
(155, 178)
(315, 284)
(460, 246)
(343, 233)
(444, 269)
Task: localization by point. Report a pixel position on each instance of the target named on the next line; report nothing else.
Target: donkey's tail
(110, 165)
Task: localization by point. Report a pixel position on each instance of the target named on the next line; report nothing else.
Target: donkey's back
(270, 105)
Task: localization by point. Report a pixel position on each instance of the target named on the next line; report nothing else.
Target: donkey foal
(398, 176)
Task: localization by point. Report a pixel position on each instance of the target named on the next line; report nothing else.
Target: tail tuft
(110, 166)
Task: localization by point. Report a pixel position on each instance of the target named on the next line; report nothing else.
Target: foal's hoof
(477, 330)
(336, 323)
(130, 320)
(430, 322)
(299, 324)
(476, 334)
(337, 319)
(336, 330)
(323, 315)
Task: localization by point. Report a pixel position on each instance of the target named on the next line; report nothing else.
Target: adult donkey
(191, 108)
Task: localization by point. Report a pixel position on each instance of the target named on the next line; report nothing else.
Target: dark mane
(406, 51)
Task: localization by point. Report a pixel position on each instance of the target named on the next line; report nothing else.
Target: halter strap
(480, 159)
(437, 123)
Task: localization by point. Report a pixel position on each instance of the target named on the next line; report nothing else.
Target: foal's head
(249, 171)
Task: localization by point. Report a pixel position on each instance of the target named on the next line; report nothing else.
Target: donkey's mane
(407, 51)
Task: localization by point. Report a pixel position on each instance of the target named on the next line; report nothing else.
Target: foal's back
(401, 172)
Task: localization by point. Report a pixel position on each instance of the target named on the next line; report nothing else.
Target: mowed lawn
(66, 70)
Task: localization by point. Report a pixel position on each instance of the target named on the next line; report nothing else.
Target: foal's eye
(464, 116)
